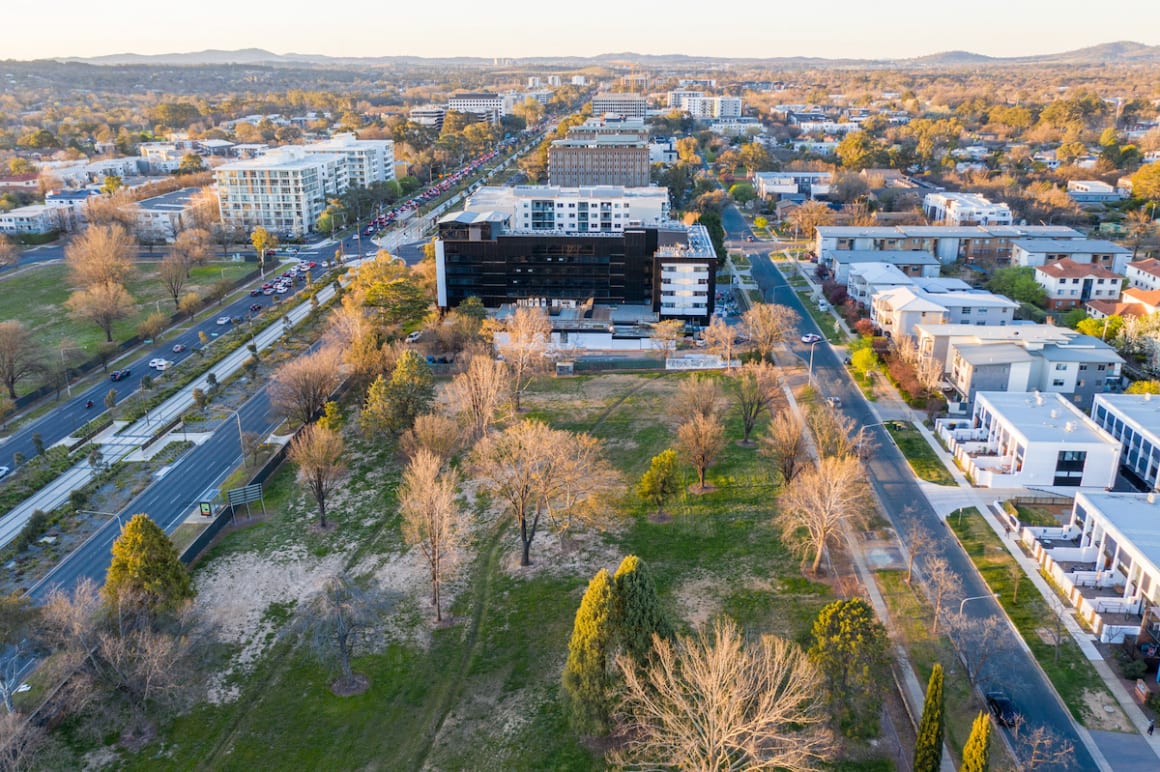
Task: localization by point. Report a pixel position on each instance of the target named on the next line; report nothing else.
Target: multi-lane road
(1010, 667)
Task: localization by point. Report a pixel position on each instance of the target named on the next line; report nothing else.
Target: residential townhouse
(1134, 420)
(864, 280)
(32, 220)
(936, 340)
(912, 263)
(898, 311)
(1034, 252)
(964, 209)
(1133, 302)
(1093, 192)
(796, 185)
(1143, 274)
(1069, 284)
(946, 242)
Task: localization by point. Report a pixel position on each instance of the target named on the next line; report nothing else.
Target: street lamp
(116, 515)
(976, 597)
(816, 342)
(67, 380)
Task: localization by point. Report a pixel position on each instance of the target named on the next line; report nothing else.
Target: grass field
(922, 458)
(482, 691)
(1069, 670)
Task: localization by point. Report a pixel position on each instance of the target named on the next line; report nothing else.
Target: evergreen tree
(850, 649)
(636, 609)
(409, 392)
(928, 745)
(977, 751)
(585, 678)
(146, 569)
(660, 482)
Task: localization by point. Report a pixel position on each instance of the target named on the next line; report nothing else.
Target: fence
(590, 364)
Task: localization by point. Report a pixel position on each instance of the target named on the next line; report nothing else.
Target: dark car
(255, 292)
(255, 308)
(1001, 708)
(117, 375)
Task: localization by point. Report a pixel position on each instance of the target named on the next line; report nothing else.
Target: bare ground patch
(1105, 713)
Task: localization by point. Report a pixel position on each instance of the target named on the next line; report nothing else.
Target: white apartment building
(284, 191)
(964, 209)
(867, 279)
(367, 160)
(676, 97)
(687, 269)
(1134, 420)
(1069, 284)
(579, 80)
(1033, 252)
(1092, 192)
(428, 115)
(162, 217)
(702, 107)
(1144, 274)
(1017, 439)
(792, 183)
(627, 105)
(35, 219)
(898, 311)
(599, 209)
(938, 340)
(487, 105)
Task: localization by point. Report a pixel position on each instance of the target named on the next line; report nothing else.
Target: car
(255, 292)
(4, 470)
(255, 308)
(163, 364)
(325, 263)
(811, 338)
(414, 336)
(178, 348)
(223, 320)
(834, 401)
(1001, 708)
(153, 362)
(118, 375)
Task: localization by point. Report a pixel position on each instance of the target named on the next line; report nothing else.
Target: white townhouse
(1035, 252)
(964, 209)
(35, 219)
(1134, 420)
(1069, 284)
(1144, 274)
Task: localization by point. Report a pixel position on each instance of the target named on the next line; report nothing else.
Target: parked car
(414, 336)
(255, 292)
(834, 401)
(223, 320)
(118, 375)
(811, 338)
(178, 348)
(1001, 708)
(153, 362)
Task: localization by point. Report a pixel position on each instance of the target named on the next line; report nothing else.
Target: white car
(223, 320)
(154, 362)
(163, 364)
(414, 336)
(3, 470)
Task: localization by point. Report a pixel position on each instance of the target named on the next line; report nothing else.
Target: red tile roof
(1070, 269)
(1149, 266)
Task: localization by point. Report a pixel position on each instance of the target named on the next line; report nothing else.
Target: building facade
(574, 210)
(368, 161)
(284, 191)
(1134, 420)
(1036, 252)
(964, 209)
(946, 242)
(486, 105)
(1069, 284)
(626, 105)
(1143, 274)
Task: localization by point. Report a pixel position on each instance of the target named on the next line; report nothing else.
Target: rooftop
(1141, 409)
(169, 202)
(1070, 269)
(983, 354)
(1082, 348)
(1044, 417)
(948, 231)
(1131, 517)
(1016, 330)
(1151, 266)
(1142, 296)
(1114, 308)
(1071, 246)
(893, 256)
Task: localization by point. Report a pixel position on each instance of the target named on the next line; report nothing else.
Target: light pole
(116, 515)
(64, 369)
(816, 342)
(975, 597)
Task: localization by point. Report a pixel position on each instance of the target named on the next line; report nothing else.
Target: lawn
(1042, 516)
(922, 458)
(483, 690)
(1069, 670)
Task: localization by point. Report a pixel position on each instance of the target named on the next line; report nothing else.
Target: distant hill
(1120, 52)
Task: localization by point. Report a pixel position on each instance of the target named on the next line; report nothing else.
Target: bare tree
(697, 395)
(102, 304)
(667, 334)
(192, 246)
(337, 619)
(9, 251)
(785, 445)
(19, 354)
(977, 640)
(252, 446)
(819, 502)
(720, 339)
(103, 254)
(575, 492)
(756, 390)
(700, 440)
(432, 519)
(1042, 747)
(318, 453)
(524, 465)
(528, 331)
(717, 702)
(301, 387)
(920, 542)
(433, 432)
(477, 393)
(834, 432)
(117, 208)
(173, 272)
(768, 325)
(942, 581)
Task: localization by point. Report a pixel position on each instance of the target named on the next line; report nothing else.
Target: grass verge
(922, 458)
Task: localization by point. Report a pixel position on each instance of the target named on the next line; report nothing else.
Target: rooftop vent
(1069, 426)
(1152, 497)
(1038, 399)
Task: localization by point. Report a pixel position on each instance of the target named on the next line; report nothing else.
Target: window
(1057, 382)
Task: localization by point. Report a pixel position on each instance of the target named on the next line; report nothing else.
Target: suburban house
(1080, 367)
(1106, 562)
(1069, 284)
(948, 243)
(964, 209)
(1134, 420)
(797, 186)
(1036, 252)
(1093, 192)
(911, 263)
(935, 340)
(31, 220)
(1144, 274)
(1017, 440)
(1133, 302)
(897, 311)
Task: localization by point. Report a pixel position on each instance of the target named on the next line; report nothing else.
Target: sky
(523, 28)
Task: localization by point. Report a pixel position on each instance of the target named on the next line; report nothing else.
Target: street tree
(110, 399)
(834, 432)
(769, 325)
(820, 501)
(762, 699)
(700, 440)
(784, 444)
(667, 334)
(919, 542)
(807, 217)
(928, 746)
(18, 621)
(978, 640)
(300, 388)
(525, 347)
(101, 255)
(720, 339)
(851, 650)
(409, 391)
(200, 398)
(20, 355)
(152, 325)
(103, 305)
(173, 272)
(942, 582)
(263, 242)
(637, 615)
(336, 620)
(193, 246)
(585, 680)
(977, 750)
(660, 481)
(756, 390)
(432, 518)
(9, 251)
(145, 570)
(318, 452)
(477, 393)
(697, 395)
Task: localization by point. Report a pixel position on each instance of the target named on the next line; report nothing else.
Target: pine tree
(850, 649)
(977, 751)
(636, 609)
(660, 482)
(928, 745)
(585, 678)
(146, 569)
(409, 392)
